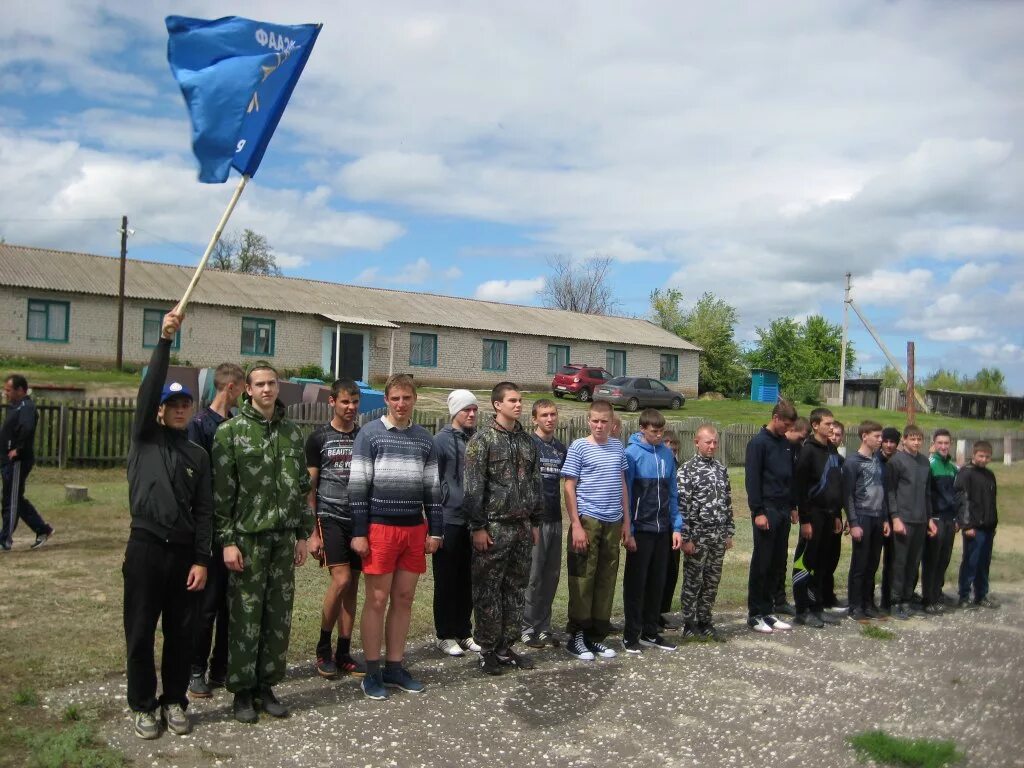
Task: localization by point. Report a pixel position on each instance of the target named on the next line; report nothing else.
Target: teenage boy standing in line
(597, 502)
(260, 486)
(671, 441)
(890, 444)
(796, 435)
(504, 502)
(392, 484)
(978, 520)
(329, 463)
(546, 565)
(769, 481)
(938, 549)
(212, 602)
(168, 549)
(910, 510)
(17, 455)
(865, 503)
(819, 491)
(832, 545)
(453, 587)
(705, 502)
(657, 529)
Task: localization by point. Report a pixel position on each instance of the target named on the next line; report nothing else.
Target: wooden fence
(97, 433)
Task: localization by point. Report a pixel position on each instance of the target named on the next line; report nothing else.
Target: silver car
(636, 392)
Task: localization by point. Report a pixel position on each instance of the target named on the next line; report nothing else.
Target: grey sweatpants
(544, 572)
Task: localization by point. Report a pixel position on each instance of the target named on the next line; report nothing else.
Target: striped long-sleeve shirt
(393, 480)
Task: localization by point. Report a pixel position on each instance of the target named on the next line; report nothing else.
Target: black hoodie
(769, 473)
(818, 478)
(169, 485)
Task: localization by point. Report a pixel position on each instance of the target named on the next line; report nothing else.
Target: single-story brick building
(61, 307)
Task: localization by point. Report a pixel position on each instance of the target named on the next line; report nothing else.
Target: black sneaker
(548, 639)
(599, 649)
(533, 640)
(809, 620)
(41, 539)
(785, 609)
(326, 667)
(965, 604)
(986, 602)
(690, 631)
(900, 612)
(198, 688)
(858, 615)
(512, 659)
(932, 609)
(828, 618)
(217, 680)
(872, 612)
(490, 664)
(657, 642)
(577, 646)
(668, 623)
(632, 647)
(243, 708)
(708, 632)
(349, 666)
(270, 704)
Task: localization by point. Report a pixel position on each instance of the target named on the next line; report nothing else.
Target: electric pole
(120, 293)
(842, 353)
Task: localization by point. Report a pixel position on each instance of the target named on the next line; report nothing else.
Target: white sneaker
(469, 644)
(758, 624)
(776, 623)
(600, 649)
(450, 647)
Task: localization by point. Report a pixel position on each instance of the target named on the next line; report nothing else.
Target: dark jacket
(19, 431)
(450, 447)
(864, 488)
(169, 487)
(653, 495)
(978, 486)
(946, 499)
(909, 487)
(502, 478)
(769, 473)
(818, 477)
(203, 427)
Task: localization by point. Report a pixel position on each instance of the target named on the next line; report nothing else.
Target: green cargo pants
(260, 610)
(592, 576)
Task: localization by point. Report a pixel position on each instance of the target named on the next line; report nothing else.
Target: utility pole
(842, 354)
(120, 293)
(911, 392)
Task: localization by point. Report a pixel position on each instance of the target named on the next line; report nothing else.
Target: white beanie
(458, 399)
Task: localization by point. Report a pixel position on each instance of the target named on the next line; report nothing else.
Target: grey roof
(67, 272)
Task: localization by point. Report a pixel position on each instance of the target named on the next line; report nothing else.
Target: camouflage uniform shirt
(502, 481)
(260, 482)
(705, 498)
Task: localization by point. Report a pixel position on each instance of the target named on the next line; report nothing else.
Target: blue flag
(237, 76)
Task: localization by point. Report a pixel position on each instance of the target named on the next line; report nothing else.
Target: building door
(351, 355)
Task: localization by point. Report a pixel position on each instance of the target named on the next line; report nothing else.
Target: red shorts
(396, 548)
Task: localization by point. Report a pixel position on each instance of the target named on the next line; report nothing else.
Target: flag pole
(213, 244)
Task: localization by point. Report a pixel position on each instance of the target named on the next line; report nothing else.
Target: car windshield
(619, 381)
(569, 370)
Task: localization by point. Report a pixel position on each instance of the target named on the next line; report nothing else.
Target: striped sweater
(394, 478)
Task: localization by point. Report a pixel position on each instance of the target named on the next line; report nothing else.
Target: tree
(579, 286)
(248, 253)
(824, 341)
(666, 309)
(991, 381)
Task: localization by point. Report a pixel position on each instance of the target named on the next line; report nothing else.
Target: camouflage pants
(260, 610)
(500, 576)
(702, 572)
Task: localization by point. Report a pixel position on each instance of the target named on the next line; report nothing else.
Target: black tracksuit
(769, 483)
(171, 498)
(452, 563)
(819, 490)
(18, 433)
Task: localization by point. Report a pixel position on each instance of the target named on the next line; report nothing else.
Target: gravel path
(787, 700)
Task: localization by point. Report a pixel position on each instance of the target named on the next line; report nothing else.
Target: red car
(579, 381)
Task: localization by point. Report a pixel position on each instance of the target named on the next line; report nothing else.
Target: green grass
(41, 373)
(72, 747)
(877, 633)
(913, 753)
(25, 697)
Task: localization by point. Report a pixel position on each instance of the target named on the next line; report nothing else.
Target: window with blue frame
(558, 356)
(48, 321)
(495, 355)
(423, 349)
(669, 368)
(152, 322)
(258, 336)
(615, 362)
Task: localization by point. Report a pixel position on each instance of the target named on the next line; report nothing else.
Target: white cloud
(956, 333)
(890, 287)
(972, 275)
(411, 274)
(288, 261)
(512, 291)
(452, 273)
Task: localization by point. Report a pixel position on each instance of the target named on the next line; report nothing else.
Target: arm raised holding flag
(236, 76)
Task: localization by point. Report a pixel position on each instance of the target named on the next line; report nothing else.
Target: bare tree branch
(580, 286)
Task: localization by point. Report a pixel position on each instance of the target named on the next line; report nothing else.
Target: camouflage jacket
(502, 480)
(705, 498)
(260, 481)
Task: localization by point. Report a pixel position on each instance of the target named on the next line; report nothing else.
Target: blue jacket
(651, 479)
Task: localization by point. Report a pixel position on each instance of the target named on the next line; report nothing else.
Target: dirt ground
(791, 699)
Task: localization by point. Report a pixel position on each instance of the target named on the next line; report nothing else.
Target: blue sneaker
(373, 687)
(401, 678)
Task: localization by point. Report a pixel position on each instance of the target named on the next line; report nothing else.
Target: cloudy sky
(758, 151)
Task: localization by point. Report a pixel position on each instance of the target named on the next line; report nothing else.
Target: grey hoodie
(909, 487)
(450, 447)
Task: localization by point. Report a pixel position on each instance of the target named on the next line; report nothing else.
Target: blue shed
(764, 386)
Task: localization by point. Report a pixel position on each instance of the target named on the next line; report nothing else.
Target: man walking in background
(17, 455)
